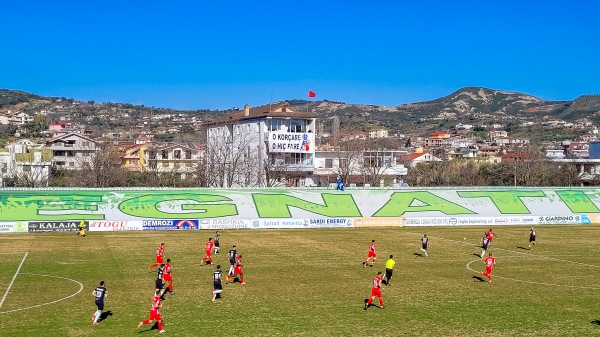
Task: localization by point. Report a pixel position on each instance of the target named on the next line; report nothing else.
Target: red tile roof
(280, 109)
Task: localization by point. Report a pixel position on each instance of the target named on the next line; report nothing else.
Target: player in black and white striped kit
(216, 239)
(232, 255)
(424, 244)
(531, 237)
(218, 286)
(100, 294)
(160, 281)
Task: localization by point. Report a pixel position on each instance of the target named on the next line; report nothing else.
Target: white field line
(530, 282)
(48, 303)
(12, 281)
(517, 252)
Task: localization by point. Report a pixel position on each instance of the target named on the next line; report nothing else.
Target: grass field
(308, 283)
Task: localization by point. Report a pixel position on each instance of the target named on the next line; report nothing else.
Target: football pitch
(307, 283)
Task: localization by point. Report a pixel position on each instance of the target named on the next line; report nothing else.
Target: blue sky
(223, 54)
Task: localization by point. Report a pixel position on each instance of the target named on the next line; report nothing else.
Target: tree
(101, 169)
(234, 159)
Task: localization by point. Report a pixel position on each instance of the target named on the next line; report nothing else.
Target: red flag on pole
(311, 94)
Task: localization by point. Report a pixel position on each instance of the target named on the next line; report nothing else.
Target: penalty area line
(12, 281)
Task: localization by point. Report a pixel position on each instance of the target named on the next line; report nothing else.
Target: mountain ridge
(468, 105)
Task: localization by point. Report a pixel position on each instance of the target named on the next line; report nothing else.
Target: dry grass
(310, 283)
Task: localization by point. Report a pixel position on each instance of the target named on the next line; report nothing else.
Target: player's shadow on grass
(596, 321)
(520, 247)
(104, 315)
(154, 327)
(479, 278)
(418, 254)
(479, 256)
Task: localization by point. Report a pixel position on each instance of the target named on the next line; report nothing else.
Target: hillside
(13, 97)
(471, 106)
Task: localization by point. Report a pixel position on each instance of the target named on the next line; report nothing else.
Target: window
(4, 168)
(26, 168)
(177, 154)
(296, 125)
(296, 158)
(164, 154)
(328, 163)
(188, 154)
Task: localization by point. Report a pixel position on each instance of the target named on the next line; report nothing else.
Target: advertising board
(224, 224)
(330, 223)
(109, 226)
(184, 224)
(55, 226)
(379, 222)
(279, 223)
(13, 227)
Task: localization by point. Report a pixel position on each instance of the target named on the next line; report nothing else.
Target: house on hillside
(178, 159)
(71, 151)
(438, 139)
(494, 135)
(413, 159)
(133, 157)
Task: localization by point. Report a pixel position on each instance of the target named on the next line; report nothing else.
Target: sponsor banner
(169, 224)
(587, 219)
(13, 227)
(451, 221)
(225, 223)
(109, 226)
(516, 220)
(291, 142)
(279, 223)
(559, 219)
(379, 222)
(55, 226)
(330, 222)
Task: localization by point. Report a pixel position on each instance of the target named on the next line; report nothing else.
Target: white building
(268, 145)
(17, 118)
(24, 163)
(360, 168)
(182, 160)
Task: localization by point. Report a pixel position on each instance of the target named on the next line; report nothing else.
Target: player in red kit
(490, 263)
(154, 314)
(491, 235)
(160, 253)
(371, 255)
(237, 271)
(208, 248)
(168, 277)
(375, 292)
